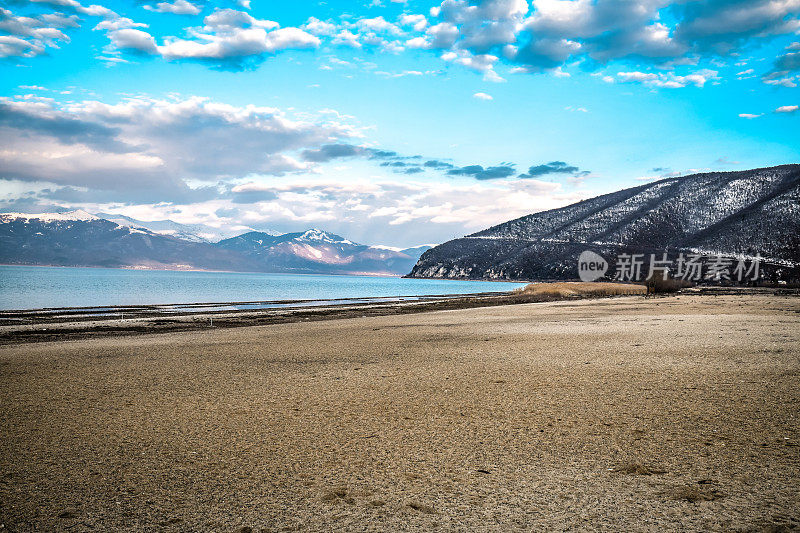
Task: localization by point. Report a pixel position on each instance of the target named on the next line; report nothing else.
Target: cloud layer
(153, 146)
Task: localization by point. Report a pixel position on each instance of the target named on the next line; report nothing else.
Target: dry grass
(567, 289)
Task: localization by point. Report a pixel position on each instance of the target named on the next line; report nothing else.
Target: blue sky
(388, 122)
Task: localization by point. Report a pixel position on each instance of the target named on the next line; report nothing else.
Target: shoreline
(60, 324)
(144, 320)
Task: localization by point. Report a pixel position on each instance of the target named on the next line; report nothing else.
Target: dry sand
(676, 413)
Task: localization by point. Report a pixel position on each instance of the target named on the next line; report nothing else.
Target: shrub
(657, 284)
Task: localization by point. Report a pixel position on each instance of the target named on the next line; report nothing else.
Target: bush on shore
(659, 285)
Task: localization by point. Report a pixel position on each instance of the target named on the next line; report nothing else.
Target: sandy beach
(671, 413)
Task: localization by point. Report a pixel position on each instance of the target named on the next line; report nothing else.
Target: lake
(27, 287)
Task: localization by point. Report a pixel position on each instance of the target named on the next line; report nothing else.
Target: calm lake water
(23, 287)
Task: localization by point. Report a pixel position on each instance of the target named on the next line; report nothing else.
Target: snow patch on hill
(73, 216)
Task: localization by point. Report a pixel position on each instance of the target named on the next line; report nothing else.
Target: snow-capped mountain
(69, 216)
(315, 250)
(731, 213)
(78, 238)
(187, 232)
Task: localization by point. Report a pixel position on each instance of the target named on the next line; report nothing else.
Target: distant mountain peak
(319, 235)
(316, 234)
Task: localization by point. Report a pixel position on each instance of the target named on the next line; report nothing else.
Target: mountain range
(78, 238)
(187, 232)
(731, 213)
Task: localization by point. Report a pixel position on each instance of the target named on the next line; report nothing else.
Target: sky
(388, 122)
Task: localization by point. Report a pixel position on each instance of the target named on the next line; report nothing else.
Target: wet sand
(675, 413)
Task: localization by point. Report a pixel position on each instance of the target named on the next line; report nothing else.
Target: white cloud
(229, 38)
(418, 42)
(226, 21)
(482, 96)
(16, 47)
(59, 20)
(119, 24)
(492, 76)
(30, 36)
(92, 10)
(112, 60)
(240, 43)
(378, 24)
(402, 74)
(178, 7)
(130, 39)
(418, 22)
(319, 27)
(479, 63)
(442, 35)
(781, 81)
(669, 80)
(348, 38)
(749, 116)
(787, 109)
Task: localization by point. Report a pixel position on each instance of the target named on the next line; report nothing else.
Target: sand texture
(674, 413)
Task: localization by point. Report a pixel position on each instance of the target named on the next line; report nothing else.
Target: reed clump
(578, 289)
